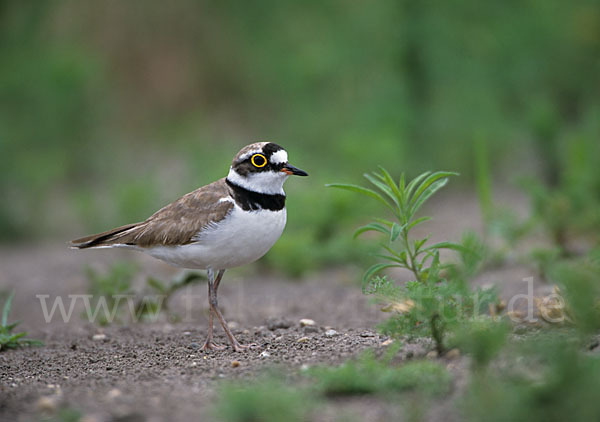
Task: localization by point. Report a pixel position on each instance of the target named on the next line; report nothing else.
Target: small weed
(404, 200)
(65, 414)
(110, 288)
(581, 291)
(547, 379)
(162, 292)
(8, 339)
(482, 338)
(268, 399)
(439, 296)
(368, 375)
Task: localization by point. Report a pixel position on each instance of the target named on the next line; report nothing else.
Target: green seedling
(404, 201)
(438, 297)
(580, 289)
(109, 289)
(368, 375)
(8, 339)
(545, 379)
(163, 291)
(268, 399)
(112, 293)
(482, 338)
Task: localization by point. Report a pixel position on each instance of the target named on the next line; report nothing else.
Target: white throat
(268, 182)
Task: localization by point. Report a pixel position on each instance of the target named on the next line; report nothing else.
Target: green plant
(8, 339)
(439, 296)
(567, 207)
(109, 289)
(544, 379)
(268, 399)
(369, 375)
(482, 338)
(580, 289)
(404, 200)
(163, 291)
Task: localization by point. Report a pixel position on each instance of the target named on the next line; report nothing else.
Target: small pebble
(432, 355)
(331, 333)
(187, 333)
(235, 364)
(387, 342)
(193, 364)
(453, 354)
(46, 404)
(99, 337)
(91, 418)
(194, 346)
(305, 321)
(233, 325)
(265, 354)
(275, 323)
(113, 394)
(303, 340)
(368, 334)
(311, 329)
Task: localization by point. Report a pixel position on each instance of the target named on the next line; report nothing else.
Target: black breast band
(253, 201)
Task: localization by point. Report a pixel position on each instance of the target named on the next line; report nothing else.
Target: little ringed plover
(231, 222)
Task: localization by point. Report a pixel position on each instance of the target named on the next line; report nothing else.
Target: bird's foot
(238, 347)
(210, 345)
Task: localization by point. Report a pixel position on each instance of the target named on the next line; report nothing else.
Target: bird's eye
(259, 160)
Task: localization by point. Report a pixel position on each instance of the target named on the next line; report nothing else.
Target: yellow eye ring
(260, 157)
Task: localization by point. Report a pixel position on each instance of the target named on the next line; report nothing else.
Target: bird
(228, 223)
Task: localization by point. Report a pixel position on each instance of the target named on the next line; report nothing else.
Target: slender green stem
(436, 333)
(411, 255)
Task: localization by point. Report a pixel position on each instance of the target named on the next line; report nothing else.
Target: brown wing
(175, 224)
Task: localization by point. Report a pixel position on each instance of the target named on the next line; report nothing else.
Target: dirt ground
(156, 371)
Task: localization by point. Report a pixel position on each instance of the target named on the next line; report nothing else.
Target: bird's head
(262, 167)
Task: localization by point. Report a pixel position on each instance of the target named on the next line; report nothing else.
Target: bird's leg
(213, 284)
(214, 306)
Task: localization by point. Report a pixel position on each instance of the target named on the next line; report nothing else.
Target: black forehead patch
(271, 148)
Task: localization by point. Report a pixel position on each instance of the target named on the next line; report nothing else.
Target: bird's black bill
(290, 169)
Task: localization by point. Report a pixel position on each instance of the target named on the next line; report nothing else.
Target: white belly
(239, 239)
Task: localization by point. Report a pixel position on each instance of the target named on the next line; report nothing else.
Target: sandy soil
(156, 371)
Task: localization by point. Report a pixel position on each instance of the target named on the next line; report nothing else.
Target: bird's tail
(107, 238)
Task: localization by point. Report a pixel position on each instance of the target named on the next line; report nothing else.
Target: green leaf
(426, 184)
(413, 183)
(384, 188)
(419, 243)
(395, 232)
(390, 258)
(427, 194)
(374, 269)
(447, 245)
(6, 308)
(385, 222)
(157, 285)
(388, 179)
(16, 337)
(371, 227)
(361, 190)
(434, 269)
(417, 222)
(401, 254)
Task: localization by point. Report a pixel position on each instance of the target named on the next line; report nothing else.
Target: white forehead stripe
(250, 154)
(279, 157)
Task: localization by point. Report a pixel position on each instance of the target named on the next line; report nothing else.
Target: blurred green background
(111, 109)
